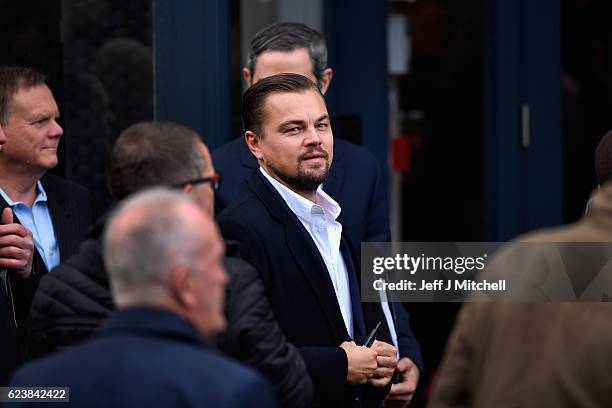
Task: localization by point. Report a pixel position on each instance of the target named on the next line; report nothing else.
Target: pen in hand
(372, 336)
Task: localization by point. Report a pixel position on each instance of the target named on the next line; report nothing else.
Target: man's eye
(293, 130)
(322, 125)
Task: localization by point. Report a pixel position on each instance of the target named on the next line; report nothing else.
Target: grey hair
(288, 37)
(146, 237)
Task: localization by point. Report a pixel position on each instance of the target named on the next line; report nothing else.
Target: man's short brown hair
(254, 99)
(13, 79)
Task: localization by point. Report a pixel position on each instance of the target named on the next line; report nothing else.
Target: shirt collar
(302, 207)
(40, 197)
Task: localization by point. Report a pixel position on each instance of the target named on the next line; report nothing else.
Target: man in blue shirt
(40, 211)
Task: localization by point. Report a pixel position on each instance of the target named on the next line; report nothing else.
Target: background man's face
(32, 131)
(273, 62)
(296, 144)
(204, 194)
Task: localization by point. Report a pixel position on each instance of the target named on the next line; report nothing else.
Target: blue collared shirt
(38, 220)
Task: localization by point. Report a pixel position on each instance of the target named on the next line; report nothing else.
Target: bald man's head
(161, 249)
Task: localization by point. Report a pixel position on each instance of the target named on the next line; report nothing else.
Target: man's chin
(48, 165)
(315, 169)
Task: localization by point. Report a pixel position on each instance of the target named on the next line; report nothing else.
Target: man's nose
(312, 137)
(56, 130)
(2, 136)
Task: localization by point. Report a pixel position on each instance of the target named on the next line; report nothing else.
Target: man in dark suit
(164, 257)
(286, 226)
(354, 179)
(38, 209)
(296, 48)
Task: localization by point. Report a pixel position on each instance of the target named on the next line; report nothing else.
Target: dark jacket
(254, 337)
(300, 290)
(147, 357)
(74, 299)
(71, 302)
(71, 212)
(355, 182)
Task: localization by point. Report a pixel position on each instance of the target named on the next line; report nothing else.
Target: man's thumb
(7, 216)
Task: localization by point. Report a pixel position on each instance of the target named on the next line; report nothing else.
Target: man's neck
(19, 186)
(309, 195)
(312, 196)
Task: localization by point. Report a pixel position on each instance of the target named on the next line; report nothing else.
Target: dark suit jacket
(71, 211)
(147, 357)
(355, 183)
(300, 290)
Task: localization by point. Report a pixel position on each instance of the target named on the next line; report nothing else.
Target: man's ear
(246, 75)
(187, 188)
(252, 142)
(182, 287)
(328, 73)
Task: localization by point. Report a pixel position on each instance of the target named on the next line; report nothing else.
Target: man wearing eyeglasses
(72, 303)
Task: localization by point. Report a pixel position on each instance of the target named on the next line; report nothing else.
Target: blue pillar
(522, 116)
(192, 85)
(356, 34)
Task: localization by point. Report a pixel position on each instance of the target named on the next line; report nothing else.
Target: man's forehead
(36, 100)
(296, 105)
(272, 62)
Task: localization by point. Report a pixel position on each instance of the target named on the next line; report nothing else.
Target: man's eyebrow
(291, 122)
(322, 118)
(38, 115)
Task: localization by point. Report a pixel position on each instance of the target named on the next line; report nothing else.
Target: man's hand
(386, 363)
(16, 245)
(401, 393)
(361, 362)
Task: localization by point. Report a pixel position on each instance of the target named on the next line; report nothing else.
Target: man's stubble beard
(303, 181)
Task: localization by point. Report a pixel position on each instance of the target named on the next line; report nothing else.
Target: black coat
(71, 212)
(300, 290)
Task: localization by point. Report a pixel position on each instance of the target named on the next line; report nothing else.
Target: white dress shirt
(319, 219)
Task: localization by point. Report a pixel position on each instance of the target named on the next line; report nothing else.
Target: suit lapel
(304, 252)
(313, 267)
(60, 216)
